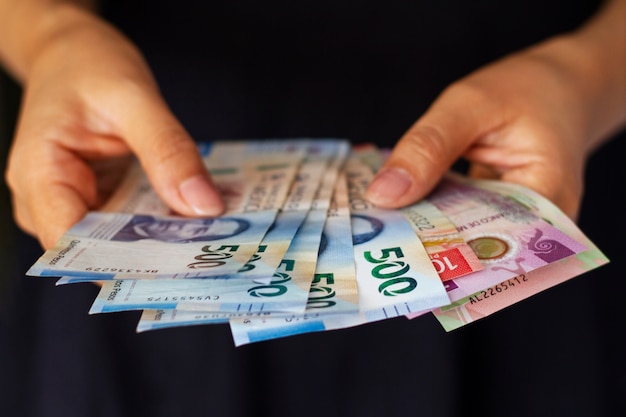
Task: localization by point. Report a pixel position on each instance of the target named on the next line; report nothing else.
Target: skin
(80, 120)
(531, 118)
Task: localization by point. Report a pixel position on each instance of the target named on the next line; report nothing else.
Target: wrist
(592, 76)
(595, 56)
(603, 40)
(32, 27)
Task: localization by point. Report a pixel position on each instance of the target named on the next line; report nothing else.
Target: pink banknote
(508, 238)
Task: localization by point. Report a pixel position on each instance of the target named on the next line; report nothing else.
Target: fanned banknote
(286, 259)
(503, 294)
(394, 273)
(287, 291)
(507, 237)
(144, 246)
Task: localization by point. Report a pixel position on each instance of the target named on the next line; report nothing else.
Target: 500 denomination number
(275, 288)
(210, 258)
(391, 272)
(320, 296)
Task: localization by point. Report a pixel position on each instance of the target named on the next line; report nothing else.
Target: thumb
(170, 158)
(430, 147)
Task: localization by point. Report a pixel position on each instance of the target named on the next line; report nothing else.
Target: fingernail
(203, 199)
(388, 186)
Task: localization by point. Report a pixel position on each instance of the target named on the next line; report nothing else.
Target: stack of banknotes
(299, 249)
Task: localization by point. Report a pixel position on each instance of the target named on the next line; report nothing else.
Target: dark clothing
(363, 71)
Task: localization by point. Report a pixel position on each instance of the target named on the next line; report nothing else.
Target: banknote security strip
(300, 250)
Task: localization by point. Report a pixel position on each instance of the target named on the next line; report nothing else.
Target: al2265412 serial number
(498, 288)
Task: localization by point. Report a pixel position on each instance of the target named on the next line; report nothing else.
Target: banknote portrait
(180, 230)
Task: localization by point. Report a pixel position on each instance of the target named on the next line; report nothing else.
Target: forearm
(605, 38)
(594, 59)
(27, 26)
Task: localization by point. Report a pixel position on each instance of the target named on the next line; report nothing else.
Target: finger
(169, 156)
(52, 196)
(562, 187)
(542, 163)
(67, 209)
(430, 147)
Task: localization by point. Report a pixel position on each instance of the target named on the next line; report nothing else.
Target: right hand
(90, 102)
(531, 118)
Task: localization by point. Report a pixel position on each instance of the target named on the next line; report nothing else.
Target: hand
(531, 118)
(89, 103)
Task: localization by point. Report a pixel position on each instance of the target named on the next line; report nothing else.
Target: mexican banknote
(301, 250)
(143, 245)
(110, 245)
(510, 291)
(508, 238)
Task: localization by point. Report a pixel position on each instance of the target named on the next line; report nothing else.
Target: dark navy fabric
(363, 71)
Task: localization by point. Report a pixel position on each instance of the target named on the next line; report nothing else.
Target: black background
(363, 71)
